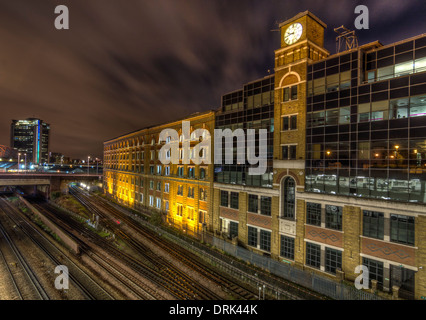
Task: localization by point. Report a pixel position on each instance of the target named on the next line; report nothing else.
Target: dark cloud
(127, 64)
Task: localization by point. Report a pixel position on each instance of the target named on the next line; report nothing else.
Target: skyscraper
(31, 136)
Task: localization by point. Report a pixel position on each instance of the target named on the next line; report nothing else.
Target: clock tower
(301, 42)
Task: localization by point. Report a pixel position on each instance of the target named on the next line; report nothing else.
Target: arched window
(288, 189)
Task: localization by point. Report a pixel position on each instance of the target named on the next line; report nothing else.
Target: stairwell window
(290, 93)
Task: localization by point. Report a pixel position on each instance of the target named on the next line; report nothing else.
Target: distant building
(31, 137)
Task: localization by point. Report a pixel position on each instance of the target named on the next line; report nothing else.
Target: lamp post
(19, 159)
(25, 163)
(88, 160)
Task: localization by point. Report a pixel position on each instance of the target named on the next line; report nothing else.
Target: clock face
(293, 33)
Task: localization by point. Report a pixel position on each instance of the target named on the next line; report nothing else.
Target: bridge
(45, 183)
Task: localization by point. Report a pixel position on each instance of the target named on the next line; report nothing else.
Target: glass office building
(366, 122)
(31, 137)
(249, 108)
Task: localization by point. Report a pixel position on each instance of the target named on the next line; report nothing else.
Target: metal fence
(327, 287)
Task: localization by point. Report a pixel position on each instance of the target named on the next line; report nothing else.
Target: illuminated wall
(134, 175)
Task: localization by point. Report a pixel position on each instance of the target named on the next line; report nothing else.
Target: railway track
(237, 289)
(78, 277)
(183, 286)
(131, 283)
(12, 253)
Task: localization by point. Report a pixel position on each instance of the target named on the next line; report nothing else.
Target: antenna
(347, 37)
(276, 23)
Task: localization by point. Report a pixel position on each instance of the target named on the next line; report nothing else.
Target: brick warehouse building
(345, 181)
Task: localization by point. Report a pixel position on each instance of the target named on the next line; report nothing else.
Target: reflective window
(418, 106)
(289, 190)
(399, 108)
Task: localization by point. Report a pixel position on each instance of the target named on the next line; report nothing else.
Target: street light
(19, 158)
(88, 159)
(25, 163)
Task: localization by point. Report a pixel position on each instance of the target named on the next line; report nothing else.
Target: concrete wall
(60, 233)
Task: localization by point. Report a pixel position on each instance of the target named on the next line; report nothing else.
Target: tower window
(290, 93)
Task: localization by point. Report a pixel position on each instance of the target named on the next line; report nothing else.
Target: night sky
(127, 64)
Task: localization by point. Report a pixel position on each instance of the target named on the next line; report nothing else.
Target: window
(420, 65)
(252, 237)
(319, 86)
(190, 192)
(203, 194)
(375, 271)
(373, 224)
(191, 172)
(166, 205)
(234, 200)
(158, 203)
(284, 152)
(333, 260)
(364, 112)
(180, 190)
(288, 196)
(294, 93)
(385, 73)
(405, 68)
(202, 173)
(286, 123)
(151, 169)
(332, 117)
(290, 93)
(313, 214)
(253, 204)
(402, 229)
(180, 171)
(333, 217)
(190, 213)
(288, 152)
(399, 108)
(151, 201)
(167, 170)
(418, 106)
(224, 198)
(179, 210)
(158, 169)
(265, 205)
(158, 186)
(151, 185)
(313, 255)
(287, 247)
(345, 80)
(233, 229)
(317, 119)
(380, 110)
(167, 187)
(344, 115)
(265, 240)
(333, 82)
(202, 216)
